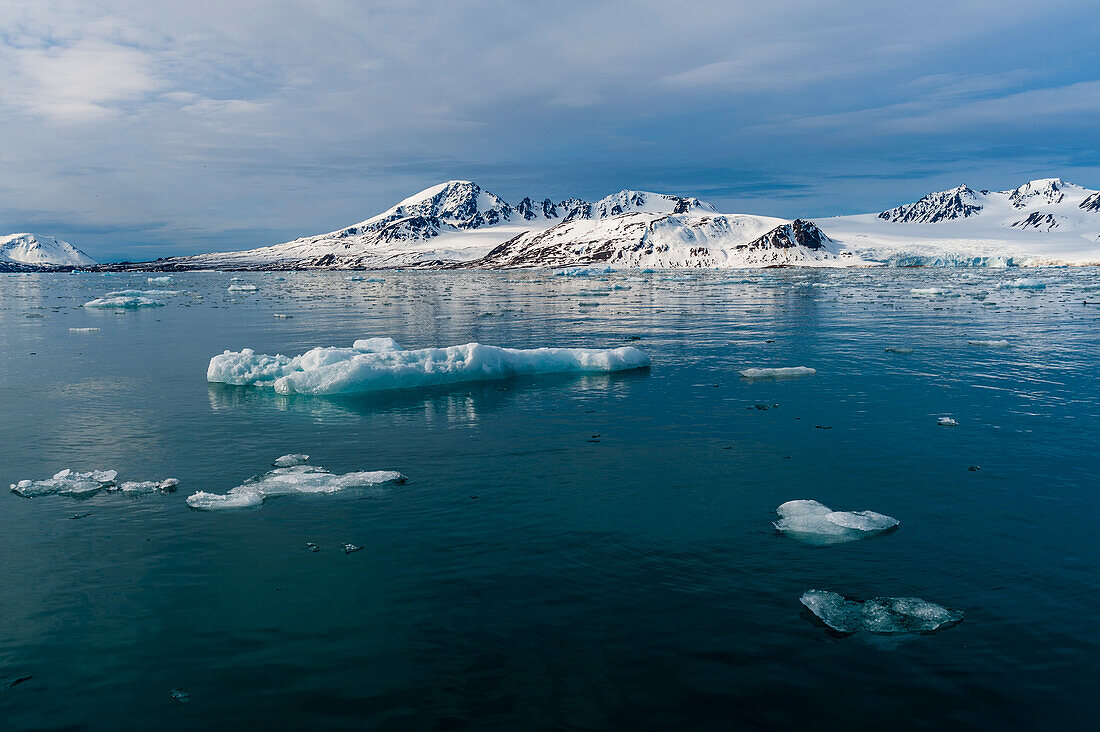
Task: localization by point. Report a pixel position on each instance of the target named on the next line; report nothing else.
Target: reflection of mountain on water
(454, 404)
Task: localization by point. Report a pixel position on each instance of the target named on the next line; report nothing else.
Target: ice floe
(293, 480)
(785, 372)
(159, 280)
(947, 422)
(904, 350)
(882, 615)
(1024, 283)
(816, 523)
(242, 288)
(70, 483)
(83, 330)
(989, 344)
(123, 302)
(925, 291)
(144, 293)
(375, 364)
(287, 461)
(582, 271)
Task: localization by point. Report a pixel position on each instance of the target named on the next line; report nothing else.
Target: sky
(137, 130)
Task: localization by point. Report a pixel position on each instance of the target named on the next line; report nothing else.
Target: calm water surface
(569, 552)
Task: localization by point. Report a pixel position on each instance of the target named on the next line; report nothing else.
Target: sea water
(569, 551)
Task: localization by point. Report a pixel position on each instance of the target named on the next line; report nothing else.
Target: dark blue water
(530, 574)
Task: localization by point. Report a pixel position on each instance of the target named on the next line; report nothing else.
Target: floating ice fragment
(297, 479)
(242, 288)
(280, 315)
(375, 364)
(146, 486)
(83, 330)
(351, 548)
(898, 349)
(180, 695)
(123, 303)
(815, 523)
(310, 546)
(1024, 283)
(882, 615)
(354, 278)
(786, 372)
(582, 271)
(989, 344)
(66, 483)
(287, 461)
(926, 291)
(159, 280)
(947, 422)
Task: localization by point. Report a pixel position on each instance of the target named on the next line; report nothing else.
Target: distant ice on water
(881, 615)
(815, 523)
(784, 372)
(292, 480)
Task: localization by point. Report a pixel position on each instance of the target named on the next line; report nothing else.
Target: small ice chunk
(280, 315)
(583, 271)
(83, 330)
(989, 344)
(66, 483)
(242, 288)
(147, 486)
(815, 523)
(122, 302)
(1024, 283)
(925, 291)
(899, 349)
(947, 422)
(287, 461)
(293, 480)
(355, 278)
(180, 695)
(375, 364)
(786, 372)
(351, 548)
(882, 615)
(159, 280)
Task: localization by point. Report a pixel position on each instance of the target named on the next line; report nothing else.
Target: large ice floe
(376, 364)
(882, 615)
(123, 302)
(70, 483)
(291, 480)
(816, 523)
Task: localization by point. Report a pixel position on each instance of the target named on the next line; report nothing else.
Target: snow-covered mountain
(40, 251)
(460, 224)
(1045, 221)
(695, 238)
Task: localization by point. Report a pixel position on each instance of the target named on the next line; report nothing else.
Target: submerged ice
(375, 364)
(816, 523)
(291, 480)
(884, 615)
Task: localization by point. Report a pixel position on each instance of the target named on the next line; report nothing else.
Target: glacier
(880, 615)
(378, 364)
(291, 480)
(815, 523)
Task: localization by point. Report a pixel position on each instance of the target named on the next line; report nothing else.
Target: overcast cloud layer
(138, 129)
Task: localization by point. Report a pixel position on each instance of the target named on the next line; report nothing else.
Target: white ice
(785, 372)
(375, 364)
(883, 615)
(926, 291)
(159, 280)
(582, 271)
(147, 486)
(1024, 283)
(243, 288)
(66, 483)
(296, 479)
(815, 523)
(83, 330)
(287, 461)
(144, 293)
(947, 422)
(123, 303)
(989, 344)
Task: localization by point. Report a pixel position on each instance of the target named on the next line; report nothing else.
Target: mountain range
(458, 224)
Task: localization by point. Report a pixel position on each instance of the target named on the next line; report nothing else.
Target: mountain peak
(39, 250)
